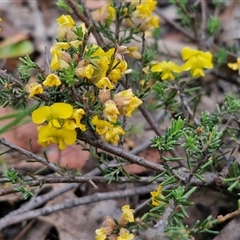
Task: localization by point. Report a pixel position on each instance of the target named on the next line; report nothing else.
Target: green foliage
(62, 4)
(191, 142)
(213, 25)
(173, 134)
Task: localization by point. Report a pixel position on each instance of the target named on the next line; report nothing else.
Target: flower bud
(104, 95)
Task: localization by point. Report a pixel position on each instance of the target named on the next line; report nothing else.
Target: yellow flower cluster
(61, 121)
(123, 103)
(195, 61)
(142, 17)
(52, 80)
(116, 230)
(98, 68)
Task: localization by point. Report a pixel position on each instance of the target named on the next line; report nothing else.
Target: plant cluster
(89, 92)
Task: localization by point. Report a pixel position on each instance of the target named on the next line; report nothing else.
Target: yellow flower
(235, 66)
(167, 69)
(101, 234)
(107, 130)
(125, 235)
(126, 102)
(52, 80)
(48, 135)
(146, 8)
(101, 125)
(112, 135)
(59, 57)
(33, 89)
(110, 111)
(196, 61)
(77, 116)
(128, 213)
(65, 20)
(65, 23)
(154, 194)
(115, 75)
(104, 83)
(105, 14)
(149, 22)
(57, 111)
(85, 71)
(57, 47)
(133, 52)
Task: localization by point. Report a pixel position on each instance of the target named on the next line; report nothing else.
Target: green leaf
(17, 50)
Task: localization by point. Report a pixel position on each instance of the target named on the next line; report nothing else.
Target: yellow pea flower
(127, 213)
(59, 46)
(235, 66)
(146, 8)
(126, 102)
(133, 52)
(154, 194)
(101, 125)
(33, 89)
(65, 22)
(52, 80)
(105, 14)
(115, 75)
(104, 83)
(49, 113)
(110, 111)
(48, 135)
(85, 71)
(112, 135)
(77, 115)
(125, 235)
(195, 61)
(59, 57)
(149, 22)
(167, 69)
(101, 234)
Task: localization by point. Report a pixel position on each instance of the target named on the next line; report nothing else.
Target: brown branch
(42, 199)
(121, 153)
(31, 155)
(87, 19)
(4, 75)
(77, 13)
(150, 120)
(70, 203)
(40, 180)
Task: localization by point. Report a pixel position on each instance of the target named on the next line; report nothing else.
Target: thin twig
(153, 124)
(88, 15)
(70, 203)
(202, 32)
(150, 120)
(40, 180)
(161, 225)
(31, 155)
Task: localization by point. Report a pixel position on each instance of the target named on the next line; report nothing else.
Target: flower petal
(41, 114)
(61, 110)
